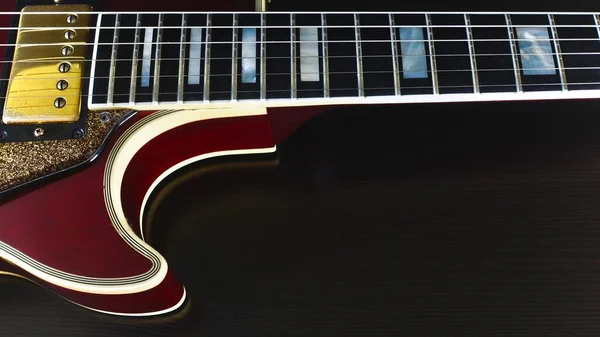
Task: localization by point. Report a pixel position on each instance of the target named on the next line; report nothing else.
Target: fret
(293, 56)
(157, 58)
(171, 66)
(234, 56)
(377, 65)
(123, 60)
(195, 58)
(453, 63)
(248, 83)
(515, 55)
(472, 54)
(278, 53)
(113, 60)
(538, 63)
(414, 66)
(325, 56)
(580, 50)
(145, 84)
(309, 53)
(207, 57)
(493, 54)
(343, 79)
(135, 59)
(102, 64)
(359, 64)
(561, 67)
(394, 48)
(434, 75)
(183, 45)
(263, 56)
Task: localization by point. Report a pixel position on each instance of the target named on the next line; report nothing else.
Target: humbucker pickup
(45, 82)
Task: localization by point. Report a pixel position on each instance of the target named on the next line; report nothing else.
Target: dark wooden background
(415, 220)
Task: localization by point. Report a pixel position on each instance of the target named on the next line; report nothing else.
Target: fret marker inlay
(412, 47)
(195, 55)
(249, 55)
(147, 57)
(536, 51)
(309, 54)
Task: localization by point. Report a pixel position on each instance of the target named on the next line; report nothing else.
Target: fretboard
(159, 60)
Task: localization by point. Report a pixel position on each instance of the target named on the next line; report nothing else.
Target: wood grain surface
(438, 220)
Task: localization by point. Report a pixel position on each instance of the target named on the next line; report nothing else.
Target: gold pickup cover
(48, 63)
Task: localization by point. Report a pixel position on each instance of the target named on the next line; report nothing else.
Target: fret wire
(359, 65)
(234, 64)
(294, 89)
(157, 59)
(207, 59)
(182, 51)
(113, 66)
(325, 56)
(472, 54)
(134, 68)
(263, 57)
(513, 49)
(561, 71)
(434, 79)
(395, 64)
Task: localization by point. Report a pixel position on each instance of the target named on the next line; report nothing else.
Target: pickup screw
(3, 135)
(64, 67)
(60, 103)
(62, 85)
(78, 133)
(105, 117)
(39, 132)
(66, 51)
(71, 18)
(70, 34)
(57, 1)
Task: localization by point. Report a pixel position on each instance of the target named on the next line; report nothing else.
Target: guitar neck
(175, 60)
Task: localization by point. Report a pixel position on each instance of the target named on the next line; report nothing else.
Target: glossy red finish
(64, 224)
(185, 142)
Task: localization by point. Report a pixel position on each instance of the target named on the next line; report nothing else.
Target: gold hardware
(41, 64)
(71, 18)
(60, 102)
(62, 85)
(64, 67)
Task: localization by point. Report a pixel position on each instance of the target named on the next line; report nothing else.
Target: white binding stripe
(445, 98)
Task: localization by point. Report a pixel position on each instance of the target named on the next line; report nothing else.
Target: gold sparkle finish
(33, 87)
(24, 162)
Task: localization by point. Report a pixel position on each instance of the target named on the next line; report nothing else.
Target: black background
(416, 220)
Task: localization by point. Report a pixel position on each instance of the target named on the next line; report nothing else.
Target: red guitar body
(81, 235)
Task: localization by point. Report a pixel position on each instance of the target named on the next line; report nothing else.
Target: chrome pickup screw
(60, 103)
(62, 85)
(39, 132)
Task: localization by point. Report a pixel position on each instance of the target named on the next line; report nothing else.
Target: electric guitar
(101, 103)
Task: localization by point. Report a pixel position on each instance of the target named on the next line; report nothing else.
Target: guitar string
(304, 12)
(355, 89)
